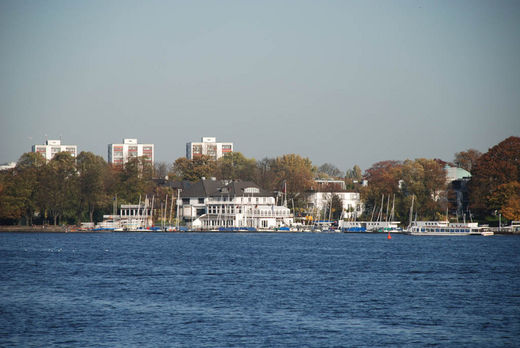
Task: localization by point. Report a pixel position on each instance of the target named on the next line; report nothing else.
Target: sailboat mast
(171, 211)
(380, 215)
(387, 207)
(392, 211)
(411, 212)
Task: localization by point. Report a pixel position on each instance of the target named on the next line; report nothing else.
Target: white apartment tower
(119, 154)
(208, 146)
(52, 147)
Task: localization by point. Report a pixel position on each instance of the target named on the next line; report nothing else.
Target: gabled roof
(240, 188)
(217, 188)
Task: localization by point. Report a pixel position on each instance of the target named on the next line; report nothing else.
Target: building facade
(213, 204)
(132, 217)
(458, 195)
(119, 154)
(52, 147)
(351, 201)
(208, 146)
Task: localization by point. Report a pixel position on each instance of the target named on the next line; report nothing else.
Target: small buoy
(389, 236)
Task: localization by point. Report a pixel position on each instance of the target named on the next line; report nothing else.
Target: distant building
(119, 154)
(208, 146)
(458, 196)
(351, 201)
(7, 166)
(321, 194)
(52, 147)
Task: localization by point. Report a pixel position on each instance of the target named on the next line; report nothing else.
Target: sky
(341, 82)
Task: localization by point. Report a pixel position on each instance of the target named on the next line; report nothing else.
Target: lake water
(258, 290)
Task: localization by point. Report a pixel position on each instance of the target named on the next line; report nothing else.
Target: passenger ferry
(444, 228)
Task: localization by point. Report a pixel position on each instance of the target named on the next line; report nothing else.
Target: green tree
(135, 180)
(59, 187)
(28, 171)
(426, 179)
(330, 170)
(195, 169)
(234, 166)
(92, 192)
(355, 173)
(334, 207)
(11, 200)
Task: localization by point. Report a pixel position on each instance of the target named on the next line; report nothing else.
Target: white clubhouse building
(213, 204)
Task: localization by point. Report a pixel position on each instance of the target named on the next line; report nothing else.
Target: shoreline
(75, 229)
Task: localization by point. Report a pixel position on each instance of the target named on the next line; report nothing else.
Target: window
(185, 201)
(201, 200)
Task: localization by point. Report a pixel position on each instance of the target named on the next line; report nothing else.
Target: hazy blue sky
(345, 82)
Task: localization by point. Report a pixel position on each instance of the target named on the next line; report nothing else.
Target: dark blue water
(258, 290)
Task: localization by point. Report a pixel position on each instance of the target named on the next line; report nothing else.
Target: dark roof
(217, 188)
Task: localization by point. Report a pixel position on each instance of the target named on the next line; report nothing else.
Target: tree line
(67, 190)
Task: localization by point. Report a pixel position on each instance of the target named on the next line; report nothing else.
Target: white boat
(444, 228)
(370, 226)
(441, 228)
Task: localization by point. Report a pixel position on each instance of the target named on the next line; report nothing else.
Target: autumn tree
(499, 166)
(383, 179)
(423, 178)
(467, 159)
(511, 210)
(505, 200)
(294, 171)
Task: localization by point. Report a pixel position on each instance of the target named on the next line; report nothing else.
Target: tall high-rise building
(52, 147)
(208, 146)
(119, 154)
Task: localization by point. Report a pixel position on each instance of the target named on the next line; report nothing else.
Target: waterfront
(234, 289)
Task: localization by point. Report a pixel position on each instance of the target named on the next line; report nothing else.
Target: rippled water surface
(259, 290)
